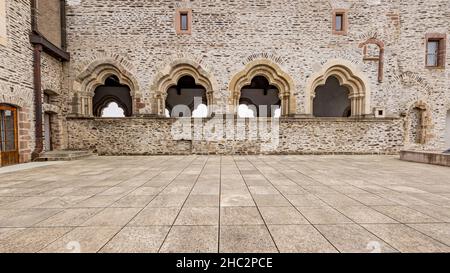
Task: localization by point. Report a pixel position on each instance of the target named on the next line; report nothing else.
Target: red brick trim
(379, 59)
(442, 53)
(178, 14)
(344, 14)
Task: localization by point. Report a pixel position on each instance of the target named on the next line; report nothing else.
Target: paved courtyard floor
(227, 204)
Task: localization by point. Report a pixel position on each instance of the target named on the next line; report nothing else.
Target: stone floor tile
(133, 201)
(198, 217)
(82, 240)
(405, 238)
(240, 216)
(112, 217)
(404, 214)
(155, 217)
(137, 240)
(305, 200)
(271, 200)
(352, 238)
(364, 214)
(191, 239)
(31, 240)
(237, 200)
(168, 200)
(246, 239)
(300, 239)
(323, 215)
(437, 231)
(202, 200)
(282, 216)
(70, 217)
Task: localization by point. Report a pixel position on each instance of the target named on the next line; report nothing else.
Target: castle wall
(151, 136)
(16, 71)
(296, 35)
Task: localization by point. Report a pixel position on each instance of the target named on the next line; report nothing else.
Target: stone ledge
(427, 157)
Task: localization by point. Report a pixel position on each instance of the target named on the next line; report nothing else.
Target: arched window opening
(113, 110)
(263, 96)
(186, 99)
(112, 92)
(332, 100)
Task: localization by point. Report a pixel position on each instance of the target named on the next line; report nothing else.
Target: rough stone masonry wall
(16, 72)
(142, 136)
(296, 35)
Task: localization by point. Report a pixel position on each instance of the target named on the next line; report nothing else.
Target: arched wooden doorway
(8, 135)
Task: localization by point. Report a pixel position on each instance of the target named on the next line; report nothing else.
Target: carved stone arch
(96, 74)
(276, 77)
(172, 73)
(348, 76)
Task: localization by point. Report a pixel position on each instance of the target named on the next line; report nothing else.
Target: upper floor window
(2, 22)
(183, 21)
(340, 22)
(436, 50)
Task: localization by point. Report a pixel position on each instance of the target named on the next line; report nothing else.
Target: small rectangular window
(435, 50)
(184, 21)
(433, 53)
(339, 22)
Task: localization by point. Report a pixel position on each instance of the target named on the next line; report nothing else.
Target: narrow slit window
(184, 22)
(339, 22)
(433, 53)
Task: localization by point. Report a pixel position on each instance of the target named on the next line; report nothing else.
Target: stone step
(64, 155)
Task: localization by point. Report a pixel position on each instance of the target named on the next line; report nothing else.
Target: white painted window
(3, 22)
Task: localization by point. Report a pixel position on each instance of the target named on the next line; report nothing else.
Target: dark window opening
(339, 22)
(112, 92)
(184, 21)
(259, 99)
(332, 100)
(186, 99)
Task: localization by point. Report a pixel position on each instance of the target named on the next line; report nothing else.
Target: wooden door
(8, 135)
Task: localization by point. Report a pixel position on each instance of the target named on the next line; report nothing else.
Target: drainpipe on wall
(37, 51)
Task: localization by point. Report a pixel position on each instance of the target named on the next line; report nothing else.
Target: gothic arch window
(174, 82)
(349, 81)
(262, 96)
(186, 98)
(112, 92)
(267, 79)
(332, 99)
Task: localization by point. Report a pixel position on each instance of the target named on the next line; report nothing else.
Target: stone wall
(152, 136)
(140, 35)
(16, 72)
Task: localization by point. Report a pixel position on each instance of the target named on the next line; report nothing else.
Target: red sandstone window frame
(178, 25)
(442, 49)
(344, 14)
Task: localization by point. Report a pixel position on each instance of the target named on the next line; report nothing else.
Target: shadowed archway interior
(261, 97)
(332, 100)
(184, 98)
(112, 91)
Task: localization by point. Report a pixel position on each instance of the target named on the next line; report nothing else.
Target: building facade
(273, 77)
